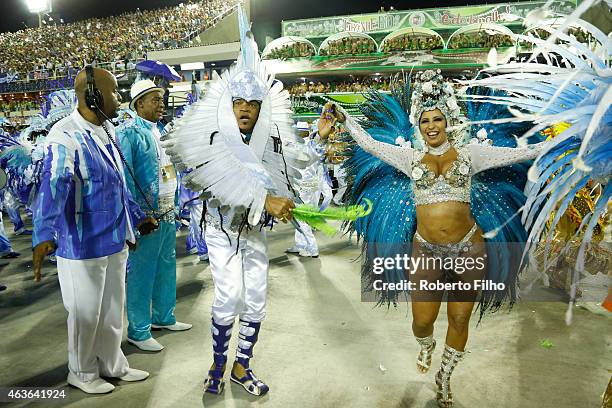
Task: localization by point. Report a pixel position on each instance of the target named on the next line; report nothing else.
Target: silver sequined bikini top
(455, 185)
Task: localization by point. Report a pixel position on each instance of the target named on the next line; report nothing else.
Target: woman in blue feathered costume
(435, 194)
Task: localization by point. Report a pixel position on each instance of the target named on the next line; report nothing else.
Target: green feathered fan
(317, 218)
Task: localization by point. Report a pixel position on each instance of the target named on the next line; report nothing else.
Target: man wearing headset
(85, 211)
(151, 278)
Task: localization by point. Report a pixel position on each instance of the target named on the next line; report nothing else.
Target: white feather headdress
(207, 138)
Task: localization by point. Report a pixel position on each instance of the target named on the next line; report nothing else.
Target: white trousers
(307, 240)
(93, 291)
(240, 277)
(340, 174)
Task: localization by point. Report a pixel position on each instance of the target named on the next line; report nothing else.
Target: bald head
(106, 83)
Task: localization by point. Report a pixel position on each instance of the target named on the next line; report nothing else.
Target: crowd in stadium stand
(293, 50)
(121, 40)
(410, 42)
(354, 85)
(19, 105)
(349, 46)
(480, 39)
(575, 32)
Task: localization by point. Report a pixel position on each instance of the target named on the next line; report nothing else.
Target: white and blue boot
(241, 373)
(221, 335)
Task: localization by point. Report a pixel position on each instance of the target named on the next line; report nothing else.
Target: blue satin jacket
(138, 145)
(83, 203)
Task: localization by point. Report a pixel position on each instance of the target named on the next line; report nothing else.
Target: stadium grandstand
(380, 194)
(34, 61)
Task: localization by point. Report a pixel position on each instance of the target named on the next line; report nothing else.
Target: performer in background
(236, 140)
(433, 188)
(151, 277)
(10, 136)
(85, 210)
(335, 148)
(24, 156)
(313, 184)
(191, 204)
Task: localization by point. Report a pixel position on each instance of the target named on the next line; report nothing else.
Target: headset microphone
(95, 102)
(93, 96)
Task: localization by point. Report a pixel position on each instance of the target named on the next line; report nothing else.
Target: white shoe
(309, 254)
(293, 250)
(193, 251)
(134, 375)
(97, 386)
(178, 326)
(149, 344)
(204, 257)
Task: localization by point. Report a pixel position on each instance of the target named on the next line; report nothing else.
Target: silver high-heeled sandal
(428, 345)
(450, 359)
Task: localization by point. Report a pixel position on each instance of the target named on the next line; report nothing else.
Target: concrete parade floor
(320, 346)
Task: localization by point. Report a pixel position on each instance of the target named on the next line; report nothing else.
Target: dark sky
(14, 13)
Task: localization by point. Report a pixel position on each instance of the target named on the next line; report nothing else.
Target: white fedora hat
(141, 88)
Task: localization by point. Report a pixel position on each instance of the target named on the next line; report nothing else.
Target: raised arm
(487, 157)
(397, 156)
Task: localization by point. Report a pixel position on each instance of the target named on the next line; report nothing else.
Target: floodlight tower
(39, 7)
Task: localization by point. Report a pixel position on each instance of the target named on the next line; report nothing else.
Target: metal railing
(187, 41)
(60, 79)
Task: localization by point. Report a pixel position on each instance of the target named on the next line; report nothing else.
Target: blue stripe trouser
(5, 244)
(195, 239)
(151, 282)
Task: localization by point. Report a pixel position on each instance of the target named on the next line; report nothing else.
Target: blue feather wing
(496, 199)
(389, 228)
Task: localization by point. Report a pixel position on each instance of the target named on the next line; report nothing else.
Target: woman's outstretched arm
(399, 157)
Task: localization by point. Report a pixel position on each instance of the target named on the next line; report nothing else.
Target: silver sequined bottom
(452, 250)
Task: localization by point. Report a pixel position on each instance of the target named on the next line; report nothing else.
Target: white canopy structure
(288, 40)
(411, 31)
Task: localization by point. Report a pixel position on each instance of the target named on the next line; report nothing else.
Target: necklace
(438, 150)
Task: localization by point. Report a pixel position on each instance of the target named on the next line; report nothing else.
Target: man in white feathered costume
(240, 142)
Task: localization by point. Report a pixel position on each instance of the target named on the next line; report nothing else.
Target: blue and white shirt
(83, 204)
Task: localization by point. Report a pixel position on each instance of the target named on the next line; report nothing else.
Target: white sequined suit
(239, 267)
(314, 184)
(340, 175)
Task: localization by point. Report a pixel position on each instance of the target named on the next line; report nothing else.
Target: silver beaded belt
(215, 221)
(452, 250)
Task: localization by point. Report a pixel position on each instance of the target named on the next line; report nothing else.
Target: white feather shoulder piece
(231, 173)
